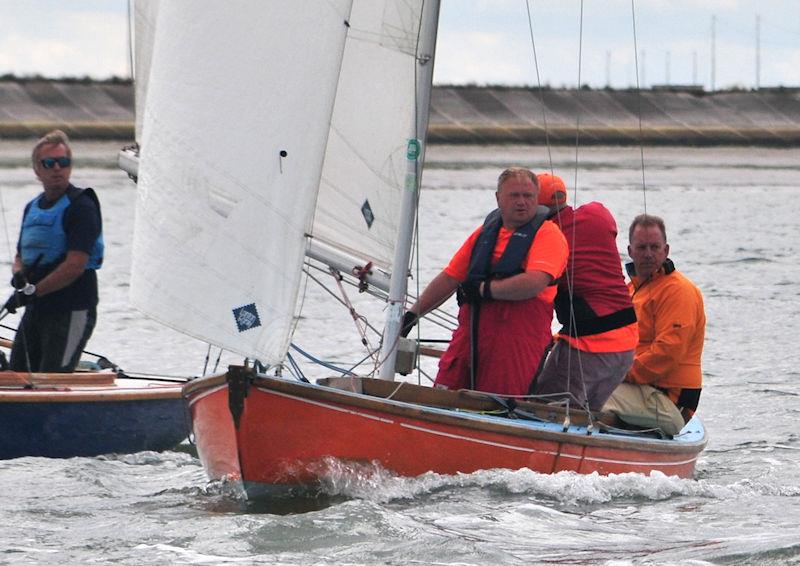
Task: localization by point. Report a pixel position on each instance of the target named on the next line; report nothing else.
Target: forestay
(239, 104)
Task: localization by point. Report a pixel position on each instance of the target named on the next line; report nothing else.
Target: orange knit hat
(552, 191)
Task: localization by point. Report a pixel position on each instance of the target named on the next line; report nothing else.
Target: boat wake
(371, 482)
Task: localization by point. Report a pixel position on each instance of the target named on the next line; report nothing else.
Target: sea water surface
(732, 220)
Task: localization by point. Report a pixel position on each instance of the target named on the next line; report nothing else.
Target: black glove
(20, 298)
(409, 321)
(18, 280)
(471, 291)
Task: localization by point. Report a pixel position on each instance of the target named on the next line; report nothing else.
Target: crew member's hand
(471, 291)
(21, 298)
(409, 321)
(18, 280)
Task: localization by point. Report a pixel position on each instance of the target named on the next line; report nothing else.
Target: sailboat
(88, 413)
(271, 137)
(96, 410)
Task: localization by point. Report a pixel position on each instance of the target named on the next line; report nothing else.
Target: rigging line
(295, 370)
(570, 275)
(541, 90)
(357, 318)
(341, 301)
(362, 360)
(316, 360)
(438, 316)
(11, 254)
(371, 290)
(639, 102)
(216, 364)
(208, 356)
(415, 247)
(130, 47)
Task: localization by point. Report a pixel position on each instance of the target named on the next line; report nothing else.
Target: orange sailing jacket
(672, 325)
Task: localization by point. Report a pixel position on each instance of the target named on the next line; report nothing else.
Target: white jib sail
(236, 122)
(374, 116)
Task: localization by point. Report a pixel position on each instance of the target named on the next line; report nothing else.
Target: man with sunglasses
(60, 248)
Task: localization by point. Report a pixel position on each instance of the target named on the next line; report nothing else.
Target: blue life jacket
(43, 232)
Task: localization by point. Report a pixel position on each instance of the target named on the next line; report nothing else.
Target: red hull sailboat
(263, 155)
(268, 432)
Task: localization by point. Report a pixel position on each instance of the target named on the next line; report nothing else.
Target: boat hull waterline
(287, 430)
(77, 415)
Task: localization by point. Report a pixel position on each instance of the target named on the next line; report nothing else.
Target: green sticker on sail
(412, 151)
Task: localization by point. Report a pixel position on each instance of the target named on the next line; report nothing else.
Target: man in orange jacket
(662, 389)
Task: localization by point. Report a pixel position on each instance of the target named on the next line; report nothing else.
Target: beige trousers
(645, 406)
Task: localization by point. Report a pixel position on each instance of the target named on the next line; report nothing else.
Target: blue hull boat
(88, 414)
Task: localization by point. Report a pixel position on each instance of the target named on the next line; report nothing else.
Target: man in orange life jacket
(662, 389)
(594, 348)
(504, 274)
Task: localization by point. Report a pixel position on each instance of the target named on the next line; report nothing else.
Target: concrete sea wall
(468, 115)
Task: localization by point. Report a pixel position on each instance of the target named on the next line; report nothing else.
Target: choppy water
(732, 223)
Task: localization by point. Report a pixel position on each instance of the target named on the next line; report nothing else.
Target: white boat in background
(269, 134)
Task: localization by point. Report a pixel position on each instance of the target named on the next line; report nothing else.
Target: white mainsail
(236, 120)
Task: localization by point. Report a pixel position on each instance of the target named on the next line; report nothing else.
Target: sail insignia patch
(366, 212)
(246, 317)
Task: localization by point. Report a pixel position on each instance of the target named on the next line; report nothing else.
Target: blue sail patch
(246, 317)
(366, 212)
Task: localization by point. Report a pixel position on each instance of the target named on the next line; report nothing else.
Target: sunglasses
(50, 162)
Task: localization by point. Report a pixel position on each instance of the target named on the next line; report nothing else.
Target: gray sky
(482, 41)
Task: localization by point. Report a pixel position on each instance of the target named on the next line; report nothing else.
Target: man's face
(517, 199)
(55, 178)
(648, 250)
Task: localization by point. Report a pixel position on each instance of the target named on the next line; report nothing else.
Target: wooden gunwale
(18, 387)
(24, 379)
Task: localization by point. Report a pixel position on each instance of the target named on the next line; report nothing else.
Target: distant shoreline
(104, 110)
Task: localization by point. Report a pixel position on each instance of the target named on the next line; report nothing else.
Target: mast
(398, 285)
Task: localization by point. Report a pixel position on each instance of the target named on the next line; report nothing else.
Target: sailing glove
(18, 281)
(20, 298)
(471, 292)
(409, 321)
